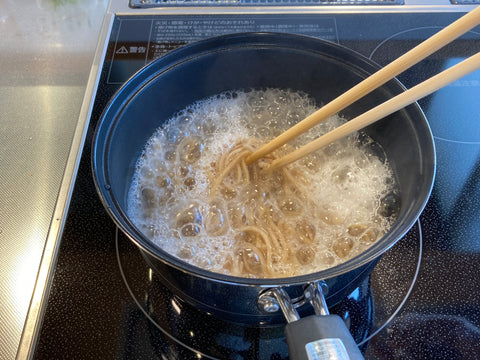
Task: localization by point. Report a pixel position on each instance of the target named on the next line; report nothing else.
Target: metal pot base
(177, 326)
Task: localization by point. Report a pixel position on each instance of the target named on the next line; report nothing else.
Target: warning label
(141, 40)
(128, 50)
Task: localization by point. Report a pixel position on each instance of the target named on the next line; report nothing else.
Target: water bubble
(331, 217)
(183, 170)
(204, 262)
(343, 174)
(342, 246)
(185, 118)
(148, 198)
(216, 221)
(369, 236)
(188, 215)
(375, 151)
(305, 255)
(263, 131)
(236, 215)
(190, 230)
(190, 149)
(290, 206)
(228, 192)
(246, 236)
(163, 181)
(356, 229)
(251, 261)
(173, 135)
(190, 183)
(306, 231)
(186, 252)
(170, 155)
(361, 160)
(147, 172)
(326, 257)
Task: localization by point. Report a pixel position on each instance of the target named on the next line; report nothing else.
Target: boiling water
(344, 200)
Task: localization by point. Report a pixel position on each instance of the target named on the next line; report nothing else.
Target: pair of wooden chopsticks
(418, 53)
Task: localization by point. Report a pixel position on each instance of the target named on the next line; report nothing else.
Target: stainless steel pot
(242, 61)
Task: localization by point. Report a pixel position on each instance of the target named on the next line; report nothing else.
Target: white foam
(346, 190)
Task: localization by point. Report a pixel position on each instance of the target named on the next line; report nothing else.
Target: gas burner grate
(162, 3)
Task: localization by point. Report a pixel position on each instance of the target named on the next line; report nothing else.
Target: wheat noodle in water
(261, 242)
(197, 197)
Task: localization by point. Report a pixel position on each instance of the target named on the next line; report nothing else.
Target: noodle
(195, 197)
(266, 240)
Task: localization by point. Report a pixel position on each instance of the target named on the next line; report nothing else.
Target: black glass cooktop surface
(422, 301)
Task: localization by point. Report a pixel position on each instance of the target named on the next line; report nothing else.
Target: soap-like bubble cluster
(344, 196)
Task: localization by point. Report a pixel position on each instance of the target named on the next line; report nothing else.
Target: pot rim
(187, 52)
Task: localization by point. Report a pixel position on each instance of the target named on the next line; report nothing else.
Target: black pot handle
(321, 337)
(317, 337)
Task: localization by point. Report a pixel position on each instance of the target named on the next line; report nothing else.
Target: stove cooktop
(163, 3)
(423, 300)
